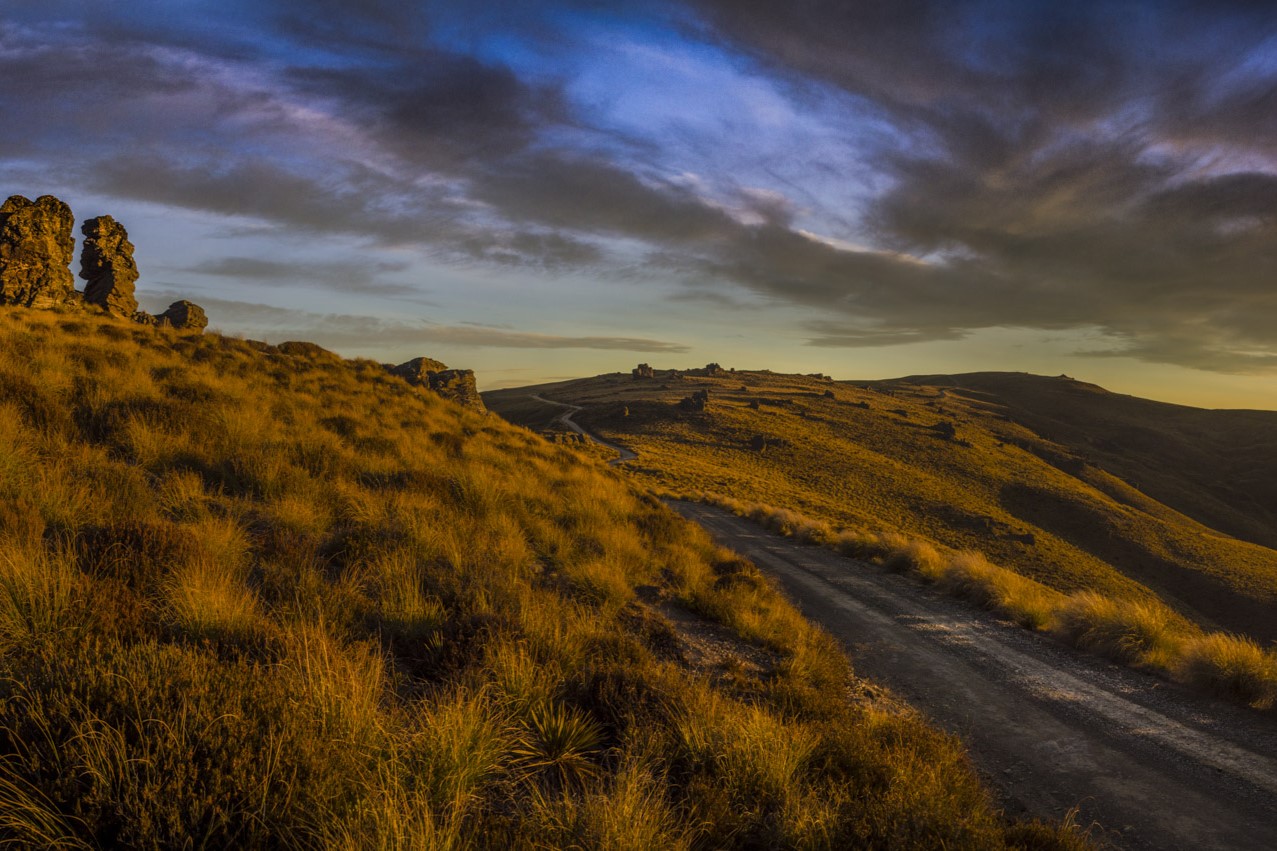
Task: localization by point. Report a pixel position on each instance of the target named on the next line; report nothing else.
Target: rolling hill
(1058, 480)
(263, 597)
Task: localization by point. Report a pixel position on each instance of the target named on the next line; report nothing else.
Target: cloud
(1059, 166)
(1037, 165)
(341, 276)
(355, 333)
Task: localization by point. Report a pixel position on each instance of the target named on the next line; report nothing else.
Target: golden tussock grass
(265, 600)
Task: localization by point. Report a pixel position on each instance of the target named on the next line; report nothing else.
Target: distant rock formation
(106, 263)
(760, 442)
(714, 369)
(698, 401)
(643, 371)
(36, 246)
(456, 385)
(184, 315)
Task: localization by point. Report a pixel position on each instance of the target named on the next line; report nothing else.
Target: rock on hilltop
(184, 315)
(36, 246)
(106, 263)
(457, 385)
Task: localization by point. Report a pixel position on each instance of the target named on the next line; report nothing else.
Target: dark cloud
(1059, 166)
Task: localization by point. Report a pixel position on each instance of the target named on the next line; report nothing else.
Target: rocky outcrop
(643, 371)
(698, 401)
(418, 370)
(36, 247)
(714, 369)
(184, 316)
(455, 385)
(106, 264)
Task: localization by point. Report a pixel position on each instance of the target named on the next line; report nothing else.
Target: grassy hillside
(1001, 474)
(257, 599)
(1218, 467)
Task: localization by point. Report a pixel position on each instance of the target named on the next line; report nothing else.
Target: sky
(542, 190)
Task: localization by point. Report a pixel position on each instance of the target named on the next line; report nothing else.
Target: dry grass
(259, 600)
(1138, 632)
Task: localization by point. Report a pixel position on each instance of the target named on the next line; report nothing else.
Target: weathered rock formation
(456, 385)
(418, 370)
(36, 246)
(714, 369)
(106, 264)
(643, 371)
(184, 315)
(698, 401)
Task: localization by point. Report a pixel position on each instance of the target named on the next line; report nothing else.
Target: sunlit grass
(260, 599)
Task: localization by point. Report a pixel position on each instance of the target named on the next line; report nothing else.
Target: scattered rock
(760, 443)
(455, 385)
(829, 394)
(107, 265)
(945, 429)
(36, 247)
(643, 371)
(698, 401)
(753, 403)
(185, 316)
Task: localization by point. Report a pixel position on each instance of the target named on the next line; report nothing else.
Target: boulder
(643, 371)
(307, 350)
(417, 371)
(36, 247)
(714, 369)
(106, 264)
(455, 385)
(185, 316)
(698, 401)
(761, 442)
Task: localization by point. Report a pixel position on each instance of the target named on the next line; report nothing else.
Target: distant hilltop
(36, 250)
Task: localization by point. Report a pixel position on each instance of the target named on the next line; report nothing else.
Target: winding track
(1151, 765)
(565, 419)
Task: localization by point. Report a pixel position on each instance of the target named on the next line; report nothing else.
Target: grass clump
(268, 598)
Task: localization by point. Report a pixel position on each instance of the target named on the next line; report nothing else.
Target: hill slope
(256, 598)
(997, 467)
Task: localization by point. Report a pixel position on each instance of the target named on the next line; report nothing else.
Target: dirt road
(565, 419)
(1154, 765)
